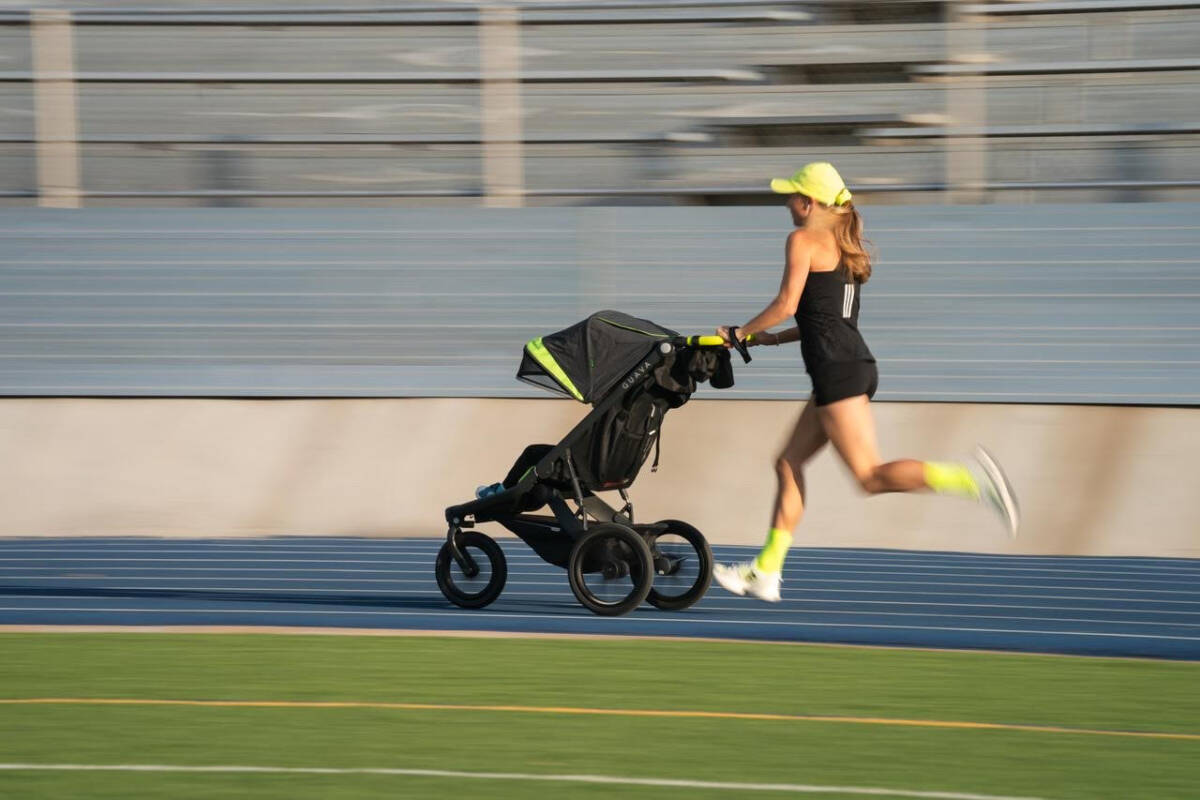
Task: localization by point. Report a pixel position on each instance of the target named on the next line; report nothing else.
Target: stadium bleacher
(667, 101)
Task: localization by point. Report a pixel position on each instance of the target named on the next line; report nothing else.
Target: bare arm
(795, 274)
(791, 334)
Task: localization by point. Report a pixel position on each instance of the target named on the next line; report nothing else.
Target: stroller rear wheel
(610, 570)
(472, 590)
(683, 565)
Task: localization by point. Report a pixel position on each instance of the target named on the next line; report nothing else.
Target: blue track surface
(1095, 606)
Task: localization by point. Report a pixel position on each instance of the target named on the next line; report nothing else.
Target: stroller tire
(681, 577)
(452, 582)
(610, 570)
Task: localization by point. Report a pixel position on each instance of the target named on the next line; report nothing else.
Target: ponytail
(848, 233)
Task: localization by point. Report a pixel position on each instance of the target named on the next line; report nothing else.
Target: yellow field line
(609, 712)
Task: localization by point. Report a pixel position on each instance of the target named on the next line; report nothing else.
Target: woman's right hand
(723, 332)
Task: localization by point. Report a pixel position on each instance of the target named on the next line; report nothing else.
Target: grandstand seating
(662, 100)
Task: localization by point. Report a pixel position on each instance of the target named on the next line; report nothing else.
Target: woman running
(826, 266)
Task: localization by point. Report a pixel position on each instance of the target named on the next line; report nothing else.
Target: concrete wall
(1037, 304)
(1092, 479)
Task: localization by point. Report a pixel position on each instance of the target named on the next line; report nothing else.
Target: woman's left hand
(723, 332)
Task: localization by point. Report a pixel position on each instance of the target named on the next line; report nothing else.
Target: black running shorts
(837, 380)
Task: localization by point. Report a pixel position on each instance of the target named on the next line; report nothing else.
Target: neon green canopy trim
(542, 356)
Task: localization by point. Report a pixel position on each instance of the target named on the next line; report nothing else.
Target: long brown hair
(847, 231)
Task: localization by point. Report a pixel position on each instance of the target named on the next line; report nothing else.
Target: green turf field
(886, 686)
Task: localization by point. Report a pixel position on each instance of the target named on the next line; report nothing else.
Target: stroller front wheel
(484, 586)
(683, 564)
(610, 570)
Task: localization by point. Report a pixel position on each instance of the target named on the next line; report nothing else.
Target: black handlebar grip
(738, 344)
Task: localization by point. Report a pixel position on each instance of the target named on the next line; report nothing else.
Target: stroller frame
(545, 533)
(594, 538)
(633, 372)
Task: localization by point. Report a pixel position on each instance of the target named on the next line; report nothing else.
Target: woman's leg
(850, 425)
(807, 439)
(760, 577)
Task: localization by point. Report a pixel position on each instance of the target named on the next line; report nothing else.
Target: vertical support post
(500, 106)
(966, 106)
(56, 115)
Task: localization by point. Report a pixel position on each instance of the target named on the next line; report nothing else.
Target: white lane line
(801, 560)
(290, 591)
(171, 540)
(836, 574)
(257, 550)
(231, 550)
(710, 602)
(309, 575)
(27, 573)
(837, 611)
(248, 573)
(841, 591)
(207, 560)
(409, 559)
(236, 588)
(390, 561)
(907, 587)
(896, 566)
(228, 550)
(304, 541)
(904, 586)
(515, 578)
(503, 616)
(516, 548)
(176, 545)
(430, 593)
(800, 606)
(854, 553)
(782, 606)
(792, 788)
(808, 580)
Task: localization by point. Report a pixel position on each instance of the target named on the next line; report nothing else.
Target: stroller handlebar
(713, 340)
(716, 341)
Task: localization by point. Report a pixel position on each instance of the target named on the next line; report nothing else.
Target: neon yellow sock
(770, 558)
(952, 479)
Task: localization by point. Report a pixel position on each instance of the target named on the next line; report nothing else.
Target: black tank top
(828, 319)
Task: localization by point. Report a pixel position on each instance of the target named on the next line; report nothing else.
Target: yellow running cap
(818, 180)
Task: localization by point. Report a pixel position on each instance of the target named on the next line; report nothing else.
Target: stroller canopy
(587, 359)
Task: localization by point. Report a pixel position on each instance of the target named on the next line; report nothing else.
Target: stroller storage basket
(623, 440)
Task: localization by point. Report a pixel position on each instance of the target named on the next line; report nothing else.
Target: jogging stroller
(632, 372)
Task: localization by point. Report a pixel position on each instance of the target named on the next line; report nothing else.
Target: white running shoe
(997, 491)
(744, 578)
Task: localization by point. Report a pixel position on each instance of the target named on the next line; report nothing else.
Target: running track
(1078, 605)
